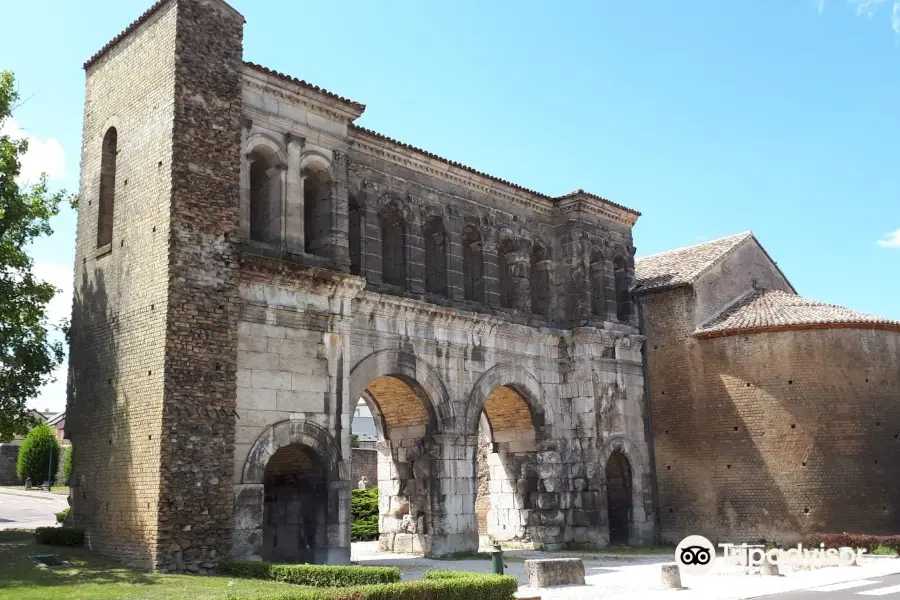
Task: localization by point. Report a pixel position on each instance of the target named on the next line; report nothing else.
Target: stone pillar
(338, 248)
(454, 522)
(293, 197)
(337, 551)
(491, 269)
(248, 521)
(372, 246)
(455, 285)
(415, 254)
(520, 267)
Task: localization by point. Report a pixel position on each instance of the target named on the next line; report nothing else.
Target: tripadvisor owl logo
(696, 555)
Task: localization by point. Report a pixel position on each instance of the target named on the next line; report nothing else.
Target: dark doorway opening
(618, 497)
(295, 510)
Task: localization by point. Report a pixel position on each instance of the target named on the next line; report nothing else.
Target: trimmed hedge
(325, 576)
(38, 456)
(59, 536)
(62, 515)
(437, 585)
(856, 540)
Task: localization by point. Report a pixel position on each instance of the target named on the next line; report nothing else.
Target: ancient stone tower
(250, 263)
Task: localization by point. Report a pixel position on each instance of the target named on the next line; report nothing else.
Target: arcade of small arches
(439, 489)
(299, 202)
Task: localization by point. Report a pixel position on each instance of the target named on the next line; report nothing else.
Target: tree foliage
(39, 455)
(67, 464)
(27, 353)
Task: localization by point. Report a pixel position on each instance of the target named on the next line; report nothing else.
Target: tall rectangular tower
(153, 344)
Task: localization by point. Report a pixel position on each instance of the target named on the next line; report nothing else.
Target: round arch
(417, 374)
(638, 463)
(514, 377)
(266, 141)
(313, 158)
(285, 433)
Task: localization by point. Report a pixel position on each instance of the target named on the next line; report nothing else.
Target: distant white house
(363, 424)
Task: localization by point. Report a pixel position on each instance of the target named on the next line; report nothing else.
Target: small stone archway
(294, 488)
(627, 502)
(410, 405)
(507, 402)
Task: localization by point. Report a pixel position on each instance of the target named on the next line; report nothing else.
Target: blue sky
(710, 117)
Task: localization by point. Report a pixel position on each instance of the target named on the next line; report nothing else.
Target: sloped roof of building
(772, 310)
(684, 265)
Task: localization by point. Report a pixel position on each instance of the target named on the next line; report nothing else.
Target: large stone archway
(290, 502)
(508, 403)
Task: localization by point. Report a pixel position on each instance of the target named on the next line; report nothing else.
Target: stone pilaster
(293, 197)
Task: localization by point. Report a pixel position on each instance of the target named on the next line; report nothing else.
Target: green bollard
(497, 559)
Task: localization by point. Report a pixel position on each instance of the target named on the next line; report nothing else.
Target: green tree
(39, 455)
(67, 465)
(28, 355)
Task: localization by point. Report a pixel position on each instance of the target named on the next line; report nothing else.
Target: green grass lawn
(90, 577)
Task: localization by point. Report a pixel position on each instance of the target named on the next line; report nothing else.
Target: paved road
(876, 587)
(26, 510)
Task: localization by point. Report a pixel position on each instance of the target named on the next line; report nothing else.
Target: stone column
(491, 269)
(520, 267)
(415, 254)
(455, 527)
(454, 227)
(338, 248)
(293, 198)
(372, 243)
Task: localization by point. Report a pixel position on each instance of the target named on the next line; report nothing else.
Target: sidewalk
(20, 491)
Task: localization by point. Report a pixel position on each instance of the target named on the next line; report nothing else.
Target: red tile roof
(682, 266)
(358, 105)
(766, 310)
(505, 182)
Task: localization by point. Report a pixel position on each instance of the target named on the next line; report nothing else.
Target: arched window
(265, 197)
(106, 206)
(540, 281)
(393, 247)
(355, 234)
(435, 257)
(473, 264)
(598, 284)
(623, 300)
(504, 258)
(317, 198)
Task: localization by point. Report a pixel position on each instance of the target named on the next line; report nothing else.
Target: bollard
(768, 568)
(671, 576)
(497, 559)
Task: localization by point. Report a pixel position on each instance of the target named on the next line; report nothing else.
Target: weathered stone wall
(364, 462)
(222, 324)
(771, 435)
(116, 377)
(8, 455)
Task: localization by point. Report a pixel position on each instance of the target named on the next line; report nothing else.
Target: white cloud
(62, 277)
(43, 156)
(866, 7)
(53, 395)
(891, 240)
(820, 7)
(895, 17)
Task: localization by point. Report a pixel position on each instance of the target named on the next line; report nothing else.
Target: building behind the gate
(774, 416)
(250, 263)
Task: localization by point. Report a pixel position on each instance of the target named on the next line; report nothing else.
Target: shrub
(870, 543)
(364, 515)
(446, 586)
(67, 465)
(62, 515)
(59, 536)
(311, 575)
(39, 455)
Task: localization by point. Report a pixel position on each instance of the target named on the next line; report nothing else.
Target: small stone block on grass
(551, 572)
(671, 576)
